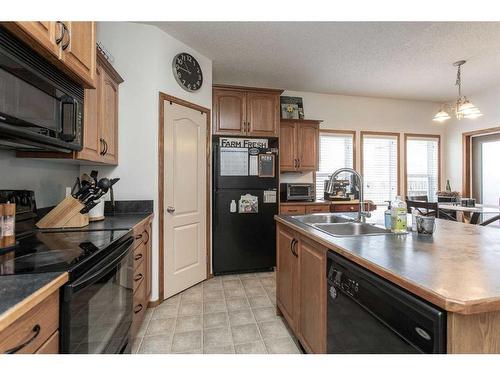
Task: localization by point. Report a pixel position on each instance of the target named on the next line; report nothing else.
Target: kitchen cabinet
(299, 145)
(302, 208)
(100, 120)
(142, 272)
(312, 295)
(33, 331)
(246, 111)
(301, 287)
(67, 44)
(287, 275)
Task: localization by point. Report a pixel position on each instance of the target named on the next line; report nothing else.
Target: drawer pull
(138, 256)
(138, 277)
(147, 240)
(138, 237)
(138, 308)
(36, 331)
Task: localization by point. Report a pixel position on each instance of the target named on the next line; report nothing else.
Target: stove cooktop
(45, 251)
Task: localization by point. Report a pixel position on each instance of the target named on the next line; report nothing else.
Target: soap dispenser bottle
(388, 216)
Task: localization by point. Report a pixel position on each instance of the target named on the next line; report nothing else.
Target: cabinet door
(44, 33)
(288, 147)
(229, 115)
(149, 233)
(286, 276)
(80, 52)
(312, 296)
(109, 119)
(262, 114)
(92, 145)
(308, 153)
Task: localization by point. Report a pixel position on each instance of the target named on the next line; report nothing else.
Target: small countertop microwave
(296, 192)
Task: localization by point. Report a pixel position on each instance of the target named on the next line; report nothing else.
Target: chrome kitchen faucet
(362, 214)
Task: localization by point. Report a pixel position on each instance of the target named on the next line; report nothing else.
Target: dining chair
(423, 208)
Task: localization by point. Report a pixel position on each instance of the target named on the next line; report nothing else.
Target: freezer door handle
(170, 209)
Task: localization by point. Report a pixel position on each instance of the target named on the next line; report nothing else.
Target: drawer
(345, 207)
(317, 208)
(140, 305)
(139, 255)
(139, 275)
(51, 346)
(293, 210)
(33, 328)
(141, 234)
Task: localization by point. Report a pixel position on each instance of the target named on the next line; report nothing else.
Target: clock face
(187, 72)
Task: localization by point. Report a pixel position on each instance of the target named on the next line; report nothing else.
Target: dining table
(472, 215)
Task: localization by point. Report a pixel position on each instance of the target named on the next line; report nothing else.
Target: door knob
(170, 209)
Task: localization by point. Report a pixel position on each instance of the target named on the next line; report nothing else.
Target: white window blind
(422, 167)
(335, 151)
(380, 167)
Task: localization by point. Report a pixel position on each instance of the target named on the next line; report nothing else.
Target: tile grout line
(258, 327)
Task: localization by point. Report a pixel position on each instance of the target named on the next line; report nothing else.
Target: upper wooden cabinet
(100, 120)
(246, 111)
(299, 145)
(68, 45)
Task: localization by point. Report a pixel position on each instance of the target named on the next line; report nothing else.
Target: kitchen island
(457, 269)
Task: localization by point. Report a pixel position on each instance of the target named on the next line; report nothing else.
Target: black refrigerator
(245, 200)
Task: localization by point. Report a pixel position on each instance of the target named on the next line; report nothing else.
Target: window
(336, 150)
(422, 166)
(380, 159)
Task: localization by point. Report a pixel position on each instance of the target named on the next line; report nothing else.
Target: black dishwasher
(369, 315)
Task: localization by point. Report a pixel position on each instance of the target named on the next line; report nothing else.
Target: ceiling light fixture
(462, 108)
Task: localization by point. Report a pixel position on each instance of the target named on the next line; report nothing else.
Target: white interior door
(185, 197)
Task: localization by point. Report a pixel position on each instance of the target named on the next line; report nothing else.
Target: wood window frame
(467, 157)
(336, 131)
(364, 133)
(405, 154)
(161, 186)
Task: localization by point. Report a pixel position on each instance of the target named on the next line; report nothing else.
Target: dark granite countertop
(15, 290)
(458, 268)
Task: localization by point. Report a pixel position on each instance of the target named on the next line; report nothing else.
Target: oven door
(96, 313)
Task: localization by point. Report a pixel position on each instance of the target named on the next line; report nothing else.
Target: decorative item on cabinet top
(241, 110)
(291, 107)
(100, 120)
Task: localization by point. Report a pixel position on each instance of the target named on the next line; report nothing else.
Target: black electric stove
(96, 303)
(45, 251)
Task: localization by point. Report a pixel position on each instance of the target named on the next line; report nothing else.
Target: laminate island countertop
(19, 293)
(457, 269)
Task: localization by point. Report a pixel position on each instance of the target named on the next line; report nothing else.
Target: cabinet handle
(36, 331)
(298, 163)
(138, 308)
(61, 37)
(147, 239)
(291, 246)
(138, 256)
(66, 45)
(138, 277)
(294, 251)
(101, 141)
(105, 147)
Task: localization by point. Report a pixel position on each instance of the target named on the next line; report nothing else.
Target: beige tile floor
(233, 314)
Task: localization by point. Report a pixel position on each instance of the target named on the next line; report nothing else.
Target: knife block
(65, 215)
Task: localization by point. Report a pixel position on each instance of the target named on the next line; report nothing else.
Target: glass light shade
(441, 116)
(467, 110)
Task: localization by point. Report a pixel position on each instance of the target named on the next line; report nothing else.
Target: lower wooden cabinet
(142, 272)
(287, 275)
(301, 287)
(312, 296)
(34, 331)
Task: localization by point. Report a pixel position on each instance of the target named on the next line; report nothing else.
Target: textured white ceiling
(407, 60)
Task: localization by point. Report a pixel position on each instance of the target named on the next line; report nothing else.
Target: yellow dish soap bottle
(399, 212)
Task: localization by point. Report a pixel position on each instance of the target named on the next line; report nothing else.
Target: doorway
(184, 195)
(485, 171)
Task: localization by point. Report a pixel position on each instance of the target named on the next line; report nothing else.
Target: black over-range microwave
(40, 107)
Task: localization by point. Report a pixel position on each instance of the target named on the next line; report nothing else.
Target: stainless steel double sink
(340, 226)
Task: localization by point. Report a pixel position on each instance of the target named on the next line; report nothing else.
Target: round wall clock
(187, 72)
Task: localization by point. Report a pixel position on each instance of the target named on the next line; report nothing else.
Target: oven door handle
(103, 267)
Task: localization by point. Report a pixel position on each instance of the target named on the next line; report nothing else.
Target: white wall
(143, 57)
(359, 113)
(487, 102)
(48, 179)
